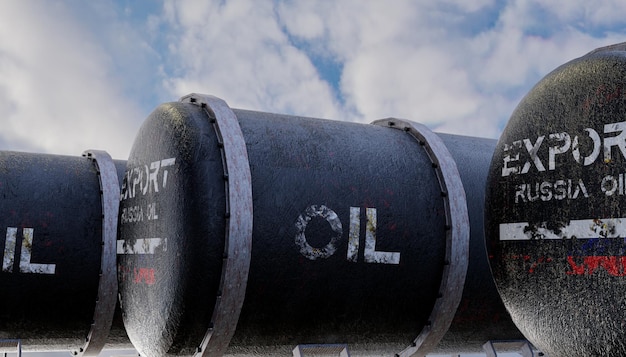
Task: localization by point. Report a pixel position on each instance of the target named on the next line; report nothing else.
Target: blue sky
(77, 75)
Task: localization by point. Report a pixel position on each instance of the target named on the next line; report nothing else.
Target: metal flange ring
(238, 241)
(107, 285)
(457, 236)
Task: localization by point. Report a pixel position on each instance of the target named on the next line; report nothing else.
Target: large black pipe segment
(556, 222)
(353, 231)
(251, 233)
(58, 277)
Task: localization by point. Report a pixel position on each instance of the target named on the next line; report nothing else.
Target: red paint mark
(603, 95)
(607, 95)
(527, 259)
(144, 275)
(539, 261)
(614, 265)
(122, 273)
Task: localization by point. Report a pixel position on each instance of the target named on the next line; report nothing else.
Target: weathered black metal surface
(172, 231)
(481, 315)
(334, 184)
(555, 209)
(317, 277)
(51, 247)
(456, 235)
(348, 239)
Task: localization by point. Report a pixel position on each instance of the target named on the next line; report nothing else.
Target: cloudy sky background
(77, 74)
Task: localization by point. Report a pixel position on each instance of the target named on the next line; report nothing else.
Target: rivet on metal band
(107, 285)
(238, 241)
(457, 236)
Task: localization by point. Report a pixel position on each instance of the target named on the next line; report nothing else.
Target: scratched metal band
(457, 236)
(107, 285)
(238, 241)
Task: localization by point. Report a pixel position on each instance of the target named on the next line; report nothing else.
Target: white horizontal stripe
(582, 229)
(141, 246)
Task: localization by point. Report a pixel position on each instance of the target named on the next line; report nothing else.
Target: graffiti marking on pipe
(580, 229)
(335, 224)
(522, 155)
(530, 263)
(141, 246)
(140, 276)
(144, 275)
(136, 213)
(146, 179)
(570, 189)
(547, 191)
(371, 255)
(25, 265)
(353, 236)
(613, 265)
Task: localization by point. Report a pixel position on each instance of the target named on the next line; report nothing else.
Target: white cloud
(56, 85)
(237, 51)
(586, 14)
(480, 72)
(398, 60)
(74, 76)
(462, 82)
